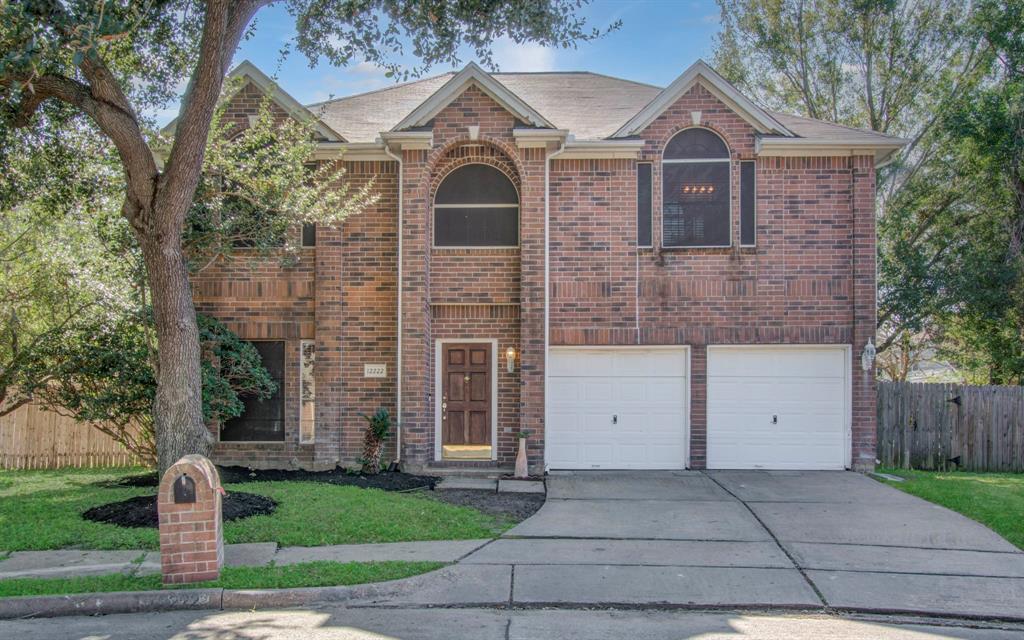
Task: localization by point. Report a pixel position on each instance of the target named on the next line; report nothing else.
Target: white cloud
(528, 56)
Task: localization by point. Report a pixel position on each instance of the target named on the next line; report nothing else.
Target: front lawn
(308, 574)
(996, 500)
(42, 510)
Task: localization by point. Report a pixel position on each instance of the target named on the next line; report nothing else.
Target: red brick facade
(810, 279)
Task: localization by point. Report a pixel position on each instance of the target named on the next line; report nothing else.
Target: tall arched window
(476, 206)
(695, 190)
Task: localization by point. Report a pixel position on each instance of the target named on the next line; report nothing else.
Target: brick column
(329, 314)
(531, 350)
(417, 417)
(191, 527)
(864, 311)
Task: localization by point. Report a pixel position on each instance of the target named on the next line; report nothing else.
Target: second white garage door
(779, 407)
(617, 408)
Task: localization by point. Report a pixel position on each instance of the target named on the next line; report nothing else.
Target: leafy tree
(59, 264)
(982, 314)
(893, 66)
(103, 374)
(113, 59)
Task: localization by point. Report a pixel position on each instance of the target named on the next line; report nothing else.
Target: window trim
(651, 165)
(754, 196)
(661, 187)
(504, 205)
(284, 403)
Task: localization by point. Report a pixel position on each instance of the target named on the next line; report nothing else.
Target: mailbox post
(191, 527)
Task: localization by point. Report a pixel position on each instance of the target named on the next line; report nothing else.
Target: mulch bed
(386, 480)
(141, 510)
(514, 506)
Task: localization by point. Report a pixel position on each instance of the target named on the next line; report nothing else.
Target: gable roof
(472, 75)
(251, 74)
(589, 105)
(700, 71)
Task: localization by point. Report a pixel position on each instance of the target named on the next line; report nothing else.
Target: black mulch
(387, 481)
(141, 510)
(514, 506)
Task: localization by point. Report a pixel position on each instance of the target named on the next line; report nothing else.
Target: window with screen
(643, 205)
(695, 190)
(261, 420)
(748, 200)
(476, 206)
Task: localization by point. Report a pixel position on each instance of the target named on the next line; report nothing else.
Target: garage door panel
(805, 387)
(644, 389)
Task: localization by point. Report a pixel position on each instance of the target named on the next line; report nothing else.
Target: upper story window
(695, 190)
(476, 206)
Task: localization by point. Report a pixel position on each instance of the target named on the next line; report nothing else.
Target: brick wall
(809, 280)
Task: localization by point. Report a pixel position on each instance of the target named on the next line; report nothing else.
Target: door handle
(775, 419)
(615, 419)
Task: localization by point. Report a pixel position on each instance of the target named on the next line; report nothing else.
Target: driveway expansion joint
(784, 550)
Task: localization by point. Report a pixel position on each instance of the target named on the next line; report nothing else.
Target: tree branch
(222, 30)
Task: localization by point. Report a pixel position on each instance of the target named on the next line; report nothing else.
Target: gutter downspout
(398, 364)
(547, 280)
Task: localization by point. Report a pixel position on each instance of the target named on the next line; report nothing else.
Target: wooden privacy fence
(926, 426)
(33, 438)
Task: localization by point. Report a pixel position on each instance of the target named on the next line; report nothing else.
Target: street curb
(250, 599)
(89, 604)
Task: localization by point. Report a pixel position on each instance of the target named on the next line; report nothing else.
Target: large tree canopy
(940, 73)
(109, 60)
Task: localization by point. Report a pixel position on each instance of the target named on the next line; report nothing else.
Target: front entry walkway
(835, 540)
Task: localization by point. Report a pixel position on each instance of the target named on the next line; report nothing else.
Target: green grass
(996, 500)
(42, 510)
(309, 574)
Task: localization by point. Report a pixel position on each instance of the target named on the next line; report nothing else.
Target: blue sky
(657, 41)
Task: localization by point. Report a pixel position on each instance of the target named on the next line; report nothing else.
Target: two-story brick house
(640, 277)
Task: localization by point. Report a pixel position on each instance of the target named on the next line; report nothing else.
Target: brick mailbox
(191, 527)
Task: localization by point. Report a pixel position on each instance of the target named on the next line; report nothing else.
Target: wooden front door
(466, 394)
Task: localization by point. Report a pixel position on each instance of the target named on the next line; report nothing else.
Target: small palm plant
(378, 427)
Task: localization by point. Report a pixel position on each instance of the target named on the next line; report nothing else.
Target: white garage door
(617, 409)
(777, 407)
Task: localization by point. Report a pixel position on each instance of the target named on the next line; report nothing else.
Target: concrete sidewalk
(66, 563)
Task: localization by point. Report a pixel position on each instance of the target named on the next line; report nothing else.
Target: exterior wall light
(510, 359)
(867, 357)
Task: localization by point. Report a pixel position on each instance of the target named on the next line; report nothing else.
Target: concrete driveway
(837, 540)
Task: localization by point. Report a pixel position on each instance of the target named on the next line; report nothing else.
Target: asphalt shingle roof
(590, 106)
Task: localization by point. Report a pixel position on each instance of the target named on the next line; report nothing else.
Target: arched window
(476, 206)
(695, 190)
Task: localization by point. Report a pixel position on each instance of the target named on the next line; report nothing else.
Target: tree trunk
(178, 409)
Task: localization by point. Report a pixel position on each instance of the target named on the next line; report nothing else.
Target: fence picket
(920, 426)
